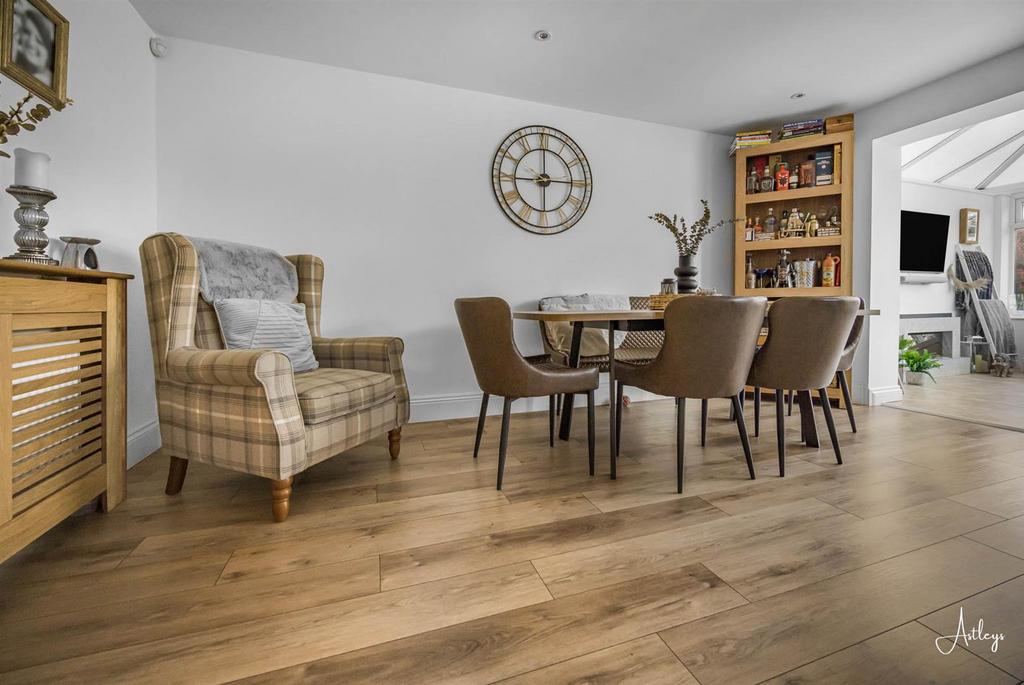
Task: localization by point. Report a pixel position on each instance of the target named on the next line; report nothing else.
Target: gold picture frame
(47, 53)
(970, 226)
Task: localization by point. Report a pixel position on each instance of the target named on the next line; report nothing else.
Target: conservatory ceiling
(987, 156)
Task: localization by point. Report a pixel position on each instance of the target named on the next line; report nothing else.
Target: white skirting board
(142, 442)
(878, 396)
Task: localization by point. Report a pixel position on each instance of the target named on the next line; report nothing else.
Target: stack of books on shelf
(811, 127)
(745, 139)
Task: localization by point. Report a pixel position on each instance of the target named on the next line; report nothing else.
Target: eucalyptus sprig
(689, 237)
(16, 119)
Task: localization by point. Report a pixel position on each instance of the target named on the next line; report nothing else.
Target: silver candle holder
(31, 218)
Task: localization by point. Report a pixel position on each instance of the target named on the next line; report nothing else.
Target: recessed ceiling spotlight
(796, 96)
(542, 35)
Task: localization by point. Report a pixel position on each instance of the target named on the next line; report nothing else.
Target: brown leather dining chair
(501, 370)
(806, 338)
(708, 349)
(845, 364)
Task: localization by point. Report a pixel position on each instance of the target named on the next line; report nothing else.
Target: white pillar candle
(31, 169)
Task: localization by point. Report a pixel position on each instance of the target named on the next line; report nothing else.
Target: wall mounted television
(924, 240)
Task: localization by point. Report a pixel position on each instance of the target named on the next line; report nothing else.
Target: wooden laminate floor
(419, 571)
(979, 398)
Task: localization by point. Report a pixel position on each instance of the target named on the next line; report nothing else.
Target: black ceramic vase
(686, 275)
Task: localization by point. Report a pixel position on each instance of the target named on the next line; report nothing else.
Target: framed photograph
(34, 49)
(970, 223)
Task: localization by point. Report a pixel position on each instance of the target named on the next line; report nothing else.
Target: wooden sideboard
(62, 396)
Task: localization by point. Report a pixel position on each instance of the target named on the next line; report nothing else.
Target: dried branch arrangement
(17, 119)
(689, 237)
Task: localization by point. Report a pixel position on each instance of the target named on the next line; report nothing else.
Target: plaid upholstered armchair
(245, 410)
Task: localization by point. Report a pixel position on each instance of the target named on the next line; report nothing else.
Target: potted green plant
(916, 364)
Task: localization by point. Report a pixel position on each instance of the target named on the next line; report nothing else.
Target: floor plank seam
(845, 511)
(130, 552)
(983, 511)
(223, 568)
(710, 504)
(977, 422)
(973, 594)
(979, 656)
(985, 544)
(541, 578)
(673, 653)
(833, 653)
(726, 583)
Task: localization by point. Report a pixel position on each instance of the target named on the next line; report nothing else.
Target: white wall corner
(142, 442)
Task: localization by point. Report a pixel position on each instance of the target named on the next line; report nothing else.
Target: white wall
(983, 91)
(104, 169)
(938, 298)
(388, 180)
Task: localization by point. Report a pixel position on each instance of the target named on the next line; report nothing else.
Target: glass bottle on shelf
(767, 182)
(748, 233)
(751, 276)
(782, 177)
(770, 224)
(794, 180)
(806, 172)
(753, 182)
(758, 228)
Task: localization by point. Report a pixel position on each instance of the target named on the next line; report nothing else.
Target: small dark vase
(686, 275)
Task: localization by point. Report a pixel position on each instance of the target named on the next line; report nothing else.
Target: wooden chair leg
(704, 422)
(176, 475)
(757, 412)
(480, 424)
(618, 417)
(280, 492)
(742, 426)
(680, 435)
(551, 420)
(780, 428)
(844, 386)
(826, 406)
(395, 442)
(506, 414)
(591, 432)
(789, 401)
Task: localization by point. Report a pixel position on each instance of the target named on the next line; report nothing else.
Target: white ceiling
(709, 65)
(987, 156)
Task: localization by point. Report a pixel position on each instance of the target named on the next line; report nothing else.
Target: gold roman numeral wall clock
(541, 179)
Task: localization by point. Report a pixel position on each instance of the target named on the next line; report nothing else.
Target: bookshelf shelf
(776, 293)
(793, 243)
(787, 195)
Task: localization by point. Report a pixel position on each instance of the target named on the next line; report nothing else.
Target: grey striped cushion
(269, 325)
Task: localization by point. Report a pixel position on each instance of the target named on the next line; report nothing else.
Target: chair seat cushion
(326, 394)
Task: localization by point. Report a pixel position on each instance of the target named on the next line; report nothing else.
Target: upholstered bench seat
(325, 393)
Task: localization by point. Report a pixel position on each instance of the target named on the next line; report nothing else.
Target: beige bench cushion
(326, 393)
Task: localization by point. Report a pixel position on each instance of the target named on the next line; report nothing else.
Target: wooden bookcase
(816, 199)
